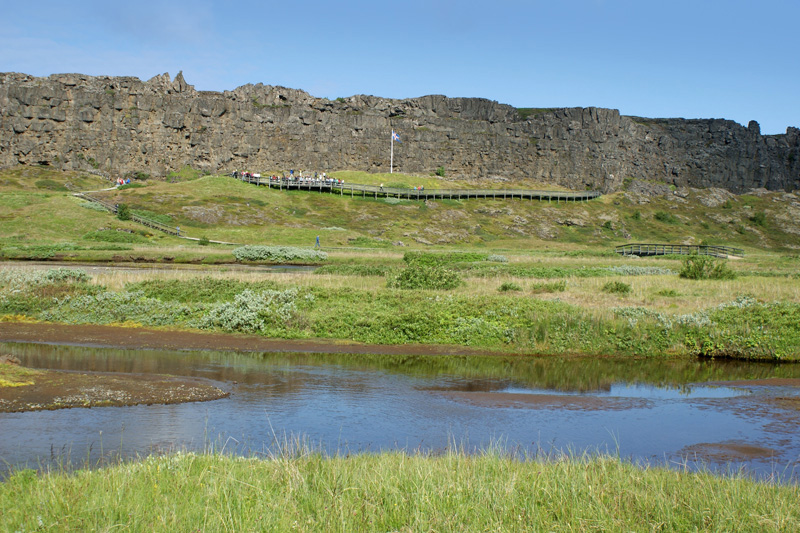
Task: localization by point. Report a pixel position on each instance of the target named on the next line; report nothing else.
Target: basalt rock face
(121, 125)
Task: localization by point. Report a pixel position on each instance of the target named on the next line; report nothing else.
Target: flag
(395, 136)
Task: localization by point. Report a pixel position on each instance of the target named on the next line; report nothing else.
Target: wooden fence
(678, 249)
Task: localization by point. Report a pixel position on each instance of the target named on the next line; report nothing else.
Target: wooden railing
(172, 230)
(332, 186)
(678, 249)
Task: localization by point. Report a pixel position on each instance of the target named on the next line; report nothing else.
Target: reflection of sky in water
(346, 409)
(647, 392)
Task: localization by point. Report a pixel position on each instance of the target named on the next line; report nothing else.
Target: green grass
(226, 209)
(394, 491)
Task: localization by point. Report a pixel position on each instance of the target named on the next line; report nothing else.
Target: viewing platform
(333, 186)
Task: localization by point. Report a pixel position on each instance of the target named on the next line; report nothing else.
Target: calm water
(650, 411)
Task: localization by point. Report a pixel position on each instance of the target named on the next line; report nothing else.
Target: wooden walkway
(353, 189)
(678, 249)
(172, 230)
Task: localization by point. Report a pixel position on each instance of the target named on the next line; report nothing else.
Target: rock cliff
(121, 125)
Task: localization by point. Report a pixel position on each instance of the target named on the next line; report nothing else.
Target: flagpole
(391, 153)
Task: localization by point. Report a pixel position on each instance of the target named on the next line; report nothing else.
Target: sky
(738, 60)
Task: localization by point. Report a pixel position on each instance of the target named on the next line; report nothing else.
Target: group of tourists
(318, 178)
(121, 182)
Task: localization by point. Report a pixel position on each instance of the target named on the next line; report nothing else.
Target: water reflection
(649, 410)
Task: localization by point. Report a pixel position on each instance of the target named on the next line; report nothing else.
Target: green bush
(422, 276)
(667, 218)
(428, 258)
(494, 258)
(617, 287)
(161, 218)
(111, 235)
(203, 241)
(196, 290)
(279, 254)
(123, 212)
(440, 172)
(554, 286)
(697, 266)
(759, 218)
(509, 286)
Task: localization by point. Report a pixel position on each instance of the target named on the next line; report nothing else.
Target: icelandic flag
(395, 136)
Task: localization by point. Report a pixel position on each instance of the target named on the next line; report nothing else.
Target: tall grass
(392, 492)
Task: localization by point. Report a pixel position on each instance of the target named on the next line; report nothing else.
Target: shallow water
(673, 412)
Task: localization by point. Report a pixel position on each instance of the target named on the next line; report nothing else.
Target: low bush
(196, 290)
(617, 287)
(428, 258)
(507, 286)
(354, 270)
(123, 212)
(554, 286)
(423, 276)
(253, 312)
(111, 235)
(279, 254)
(697, 266)
(494, 258)
(667, 218)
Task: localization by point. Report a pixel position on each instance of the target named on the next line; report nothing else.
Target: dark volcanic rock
(118, 125)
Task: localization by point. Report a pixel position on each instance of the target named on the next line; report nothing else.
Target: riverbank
(305, 491)
(28, 389)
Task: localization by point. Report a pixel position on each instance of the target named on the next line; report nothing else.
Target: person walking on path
(317, 245)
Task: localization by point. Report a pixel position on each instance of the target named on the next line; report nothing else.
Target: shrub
(427, 258)
(667, 218)
(705, 267)
(110, 235)
(203, 241)
(509, 286)
(123, 212)
(422, 276)
(253, 312)
(630, 270)
(669, 293)
(440, 172)
(278, 254)
(637, 215)
(617, 287)
(759, 218)
(494, 258)
(554, 286)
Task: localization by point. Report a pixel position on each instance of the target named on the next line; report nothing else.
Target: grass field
(301, 491)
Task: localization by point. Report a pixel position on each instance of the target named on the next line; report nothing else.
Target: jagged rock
(120, 125)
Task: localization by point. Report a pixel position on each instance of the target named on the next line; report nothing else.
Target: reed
(298, 489)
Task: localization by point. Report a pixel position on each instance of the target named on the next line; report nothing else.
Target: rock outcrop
(122, 125)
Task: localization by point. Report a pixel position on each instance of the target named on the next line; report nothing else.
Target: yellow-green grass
(392, 491)
(16, 376)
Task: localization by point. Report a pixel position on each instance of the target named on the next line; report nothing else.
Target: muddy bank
(142, 338)
(27, 389)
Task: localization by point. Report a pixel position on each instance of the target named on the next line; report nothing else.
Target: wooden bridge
(678, 249)
(353, 189)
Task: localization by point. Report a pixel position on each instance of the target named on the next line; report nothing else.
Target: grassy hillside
(37, 208)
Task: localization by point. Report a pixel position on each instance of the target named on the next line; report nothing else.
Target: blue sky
(693, 59)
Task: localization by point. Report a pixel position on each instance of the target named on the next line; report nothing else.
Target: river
(722, 415)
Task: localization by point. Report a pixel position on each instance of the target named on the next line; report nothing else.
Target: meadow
(508, 277)
(393, 491)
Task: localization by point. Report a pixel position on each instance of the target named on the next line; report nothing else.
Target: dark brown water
(673, 412)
